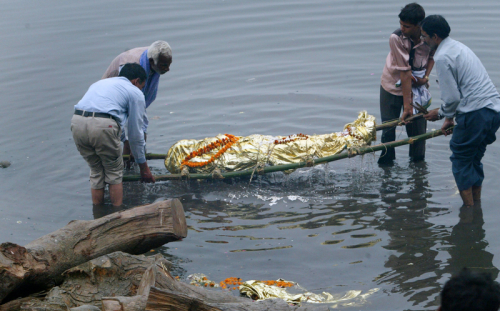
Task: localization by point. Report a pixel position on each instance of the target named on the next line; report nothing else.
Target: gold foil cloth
(261, 150)
(257, 290)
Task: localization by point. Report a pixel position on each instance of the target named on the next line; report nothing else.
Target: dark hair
(412, 13)
(471, 291)
(133, 71)
(436, 24)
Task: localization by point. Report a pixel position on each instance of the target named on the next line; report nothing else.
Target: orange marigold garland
(290, 138)
(225, 143)
(237, 281)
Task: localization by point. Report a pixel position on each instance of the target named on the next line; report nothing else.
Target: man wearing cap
(97, 127)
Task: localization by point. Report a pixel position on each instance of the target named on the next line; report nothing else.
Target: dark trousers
(473, 132)
(390, 109)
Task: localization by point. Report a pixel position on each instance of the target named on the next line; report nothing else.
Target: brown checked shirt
(402, 53)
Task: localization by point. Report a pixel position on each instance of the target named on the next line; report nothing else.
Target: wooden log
(39, 264)
(161, 299)
(110, 282)
(158, 276)
(15, 305)
(113, 283)
(166, 300)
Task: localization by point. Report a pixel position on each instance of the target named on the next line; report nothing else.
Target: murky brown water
(245, 67)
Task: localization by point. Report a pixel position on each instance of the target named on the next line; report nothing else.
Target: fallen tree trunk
(123, 282)
(160, 299)
(39, 264)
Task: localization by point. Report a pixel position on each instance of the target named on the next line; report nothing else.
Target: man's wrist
(440, 114)
(144, 168)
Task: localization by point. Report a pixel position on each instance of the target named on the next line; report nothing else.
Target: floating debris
(199, 279)
(259, 290)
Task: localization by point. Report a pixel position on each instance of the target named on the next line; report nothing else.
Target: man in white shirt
(470, 98)
(97, 125)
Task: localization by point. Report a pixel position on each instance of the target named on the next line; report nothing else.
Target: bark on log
(15, 305)
(160, 299)
(39, 264)
(139, 283)
(158, 275)
(116, 274)
(167, 300)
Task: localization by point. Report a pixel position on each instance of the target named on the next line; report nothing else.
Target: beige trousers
(98, 141)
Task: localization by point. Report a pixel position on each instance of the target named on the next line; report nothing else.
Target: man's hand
(432, 115)
(419, 81)
(127, 151)
(407, 112)
(146, 175)
(446, 126)
(406, 81)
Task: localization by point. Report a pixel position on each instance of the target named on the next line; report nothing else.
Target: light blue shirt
(120, 98)
(463, 80)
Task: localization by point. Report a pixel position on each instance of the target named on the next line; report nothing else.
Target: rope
(352, 152)
(260, 168)
(310, 162)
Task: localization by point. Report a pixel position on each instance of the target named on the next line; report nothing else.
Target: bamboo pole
(149, 156)
(269, 169)
(397, 122)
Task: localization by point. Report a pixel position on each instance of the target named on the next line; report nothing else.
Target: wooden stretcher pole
(160, 156)
(398, 122)
(269, 169)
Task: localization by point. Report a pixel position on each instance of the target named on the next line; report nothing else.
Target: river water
(251, 67)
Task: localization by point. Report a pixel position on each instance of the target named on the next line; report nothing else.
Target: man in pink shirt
(407, 53)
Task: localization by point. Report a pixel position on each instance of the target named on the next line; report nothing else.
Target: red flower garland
(290, 139)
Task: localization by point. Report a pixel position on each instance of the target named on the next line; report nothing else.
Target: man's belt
(96, 115)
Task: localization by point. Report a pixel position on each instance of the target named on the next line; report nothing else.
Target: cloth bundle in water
(258, 290)
(246, 152)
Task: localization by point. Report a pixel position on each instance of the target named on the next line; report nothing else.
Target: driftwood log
(40, 264)
(123, 282)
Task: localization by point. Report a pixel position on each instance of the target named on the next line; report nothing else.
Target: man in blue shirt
(470, 98)
(99, 118)
(156, 60)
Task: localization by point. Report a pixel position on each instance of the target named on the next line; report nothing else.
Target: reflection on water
(412, 236)
(466, 244)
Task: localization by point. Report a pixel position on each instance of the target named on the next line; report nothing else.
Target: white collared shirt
(463, 80)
